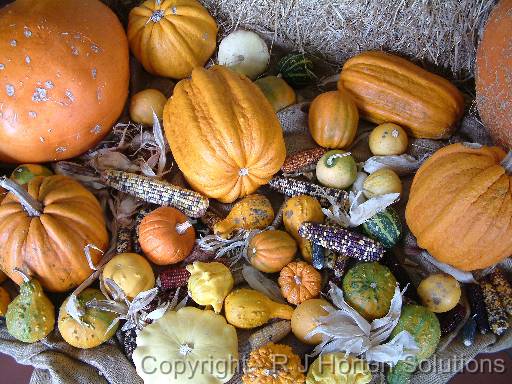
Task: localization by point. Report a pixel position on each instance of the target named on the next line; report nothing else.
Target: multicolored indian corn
(341, 240)
(124, 240)
(504, 289)
(157, 191)
(449, 321)
(476, 301)
(172, 278)
(210, 219)
(272, 332)
(496, 314)
(303, 161)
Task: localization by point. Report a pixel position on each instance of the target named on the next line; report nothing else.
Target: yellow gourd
(5, 299)
(388, 139)
(440, 292)
(338, 368)
(277, 91)
(131, 272)
(247, 308)
(382, 182)
(252, 212)
(306, 317)
(209, 283)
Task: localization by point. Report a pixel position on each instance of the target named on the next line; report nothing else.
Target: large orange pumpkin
(494, 74)
(460, 206)
(63, 77)
(171, 37)
(48, 242)
(390, 89)
(223, 133)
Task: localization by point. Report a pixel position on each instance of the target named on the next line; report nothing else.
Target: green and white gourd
(296, 69)
(385, 227)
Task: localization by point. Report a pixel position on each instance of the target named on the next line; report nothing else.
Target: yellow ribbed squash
(223, 133)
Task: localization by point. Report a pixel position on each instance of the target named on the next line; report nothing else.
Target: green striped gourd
(296, 69)
(385, 227)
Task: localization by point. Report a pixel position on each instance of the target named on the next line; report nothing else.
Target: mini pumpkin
(93, 328)
(223, 134)
(209, 283)
(333, 119)
(171, 38)
(299, 281)
(277, 91)
(251, 212)
(382, 182)
(54, 210)
(460, 206)
(273, 364)
(298, 210)
(388, 139)
(270, 251)
(306, 318)
(144, 103)
(166, 236)
(439, 292)
(131, 272)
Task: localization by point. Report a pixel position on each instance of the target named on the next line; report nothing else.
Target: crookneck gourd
(223, 133)
(44, 229)
(460, 206)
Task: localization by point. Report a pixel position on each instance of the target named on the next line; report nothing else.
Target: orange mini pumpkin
(299, 282)
(166, 236)
(270, 251)
(45, 235)
(172, 37)
(460, 205)
(333, 119)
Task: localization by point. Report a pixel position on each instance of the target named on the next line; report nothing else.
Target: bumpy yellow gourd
(132, 272)
(247, 308)
(337, 368)
(209, 283)
(252, 212)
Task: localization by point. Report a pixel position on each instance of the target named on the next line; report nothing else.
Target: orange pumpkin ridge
(460, 206)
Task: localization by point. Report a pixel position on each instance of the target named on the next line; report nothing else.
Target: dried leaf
(463, 277)
(403, 164)
(259, 282)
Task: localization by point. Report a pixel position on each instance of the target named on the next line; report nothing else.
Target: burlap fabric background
(440, 34)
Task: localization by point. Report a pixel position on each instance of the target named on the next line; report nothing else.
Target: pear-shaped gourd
(209, 283)
(252, 212)
(247, 308)
(31, 315)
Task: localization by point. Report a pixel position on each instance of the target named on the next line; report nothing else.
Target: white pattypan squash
(187, 346)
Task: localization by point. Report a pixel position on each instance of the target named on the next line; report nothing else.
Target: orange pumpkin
(494, 74)
(166, 236)
(172, 37)
(270, 251)
(333, 119)
(460, 206)
(390, 89)
(299, 282)
(64, 78)
(45, 235)
(223, 133)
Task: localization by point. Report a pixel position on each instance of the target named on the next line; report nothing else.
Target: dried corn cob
(172, 279)
(303, 161)
(135, 230)
(469, 332)
(504, 289)
(157, 191)
(496, 315)
(340, 240)
(128, 339)
(476, 301)
(451, 319)
(210, 219)
(278, 218)
(198, 254)
(318, 256)
(124, 240)
(273, 332)
(292, 187)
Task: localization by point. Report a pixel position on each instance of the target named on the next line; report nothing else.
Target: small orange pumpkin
(333, 119)
(172, 37)
(270, 251)
(166, 236)
(460, 205)
(299, 282)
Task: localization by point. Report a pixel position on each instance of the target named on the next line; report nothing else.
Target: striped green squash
(424, 326)
(385, 227)
(297, 70)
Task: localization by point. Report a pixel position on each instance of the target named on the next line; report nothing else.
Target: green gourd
(31, 315)
(385, 227)
(296, 69)
(369, 288)
(424, 326)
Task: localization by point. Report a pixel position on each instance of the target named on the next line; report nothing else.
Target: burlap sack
(440, 34)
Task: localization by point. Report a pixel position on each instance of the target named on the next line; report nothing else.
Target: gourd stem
(33, 207)
(507, 163)
(330, 159)
(25, 277)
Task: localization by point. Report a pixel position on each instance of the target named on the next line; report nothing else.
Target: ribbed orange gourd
(390, 89)
(223, 133)
(460, 206)
(333, 119)
(45, 235)
(171, 37)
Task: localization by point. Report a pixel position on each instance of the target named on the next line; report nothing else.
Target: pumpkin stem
(25, 277)
(181, 228)
(33, 207)
(507, 163)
